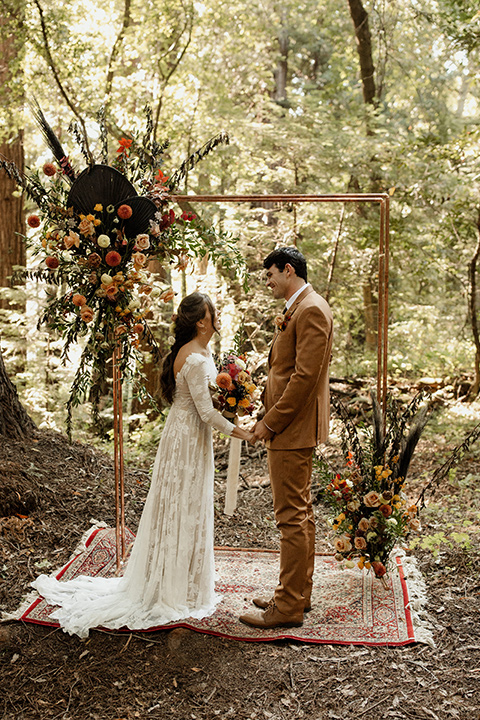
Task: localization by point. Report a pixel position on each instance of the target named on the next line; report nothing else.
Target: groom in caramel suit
(297, 411)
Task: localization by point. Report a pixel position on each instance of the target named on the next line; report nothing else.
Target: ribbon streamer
(233, 473)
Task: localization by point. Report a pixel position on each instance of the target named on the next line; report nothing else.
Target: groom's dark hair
(283, 255)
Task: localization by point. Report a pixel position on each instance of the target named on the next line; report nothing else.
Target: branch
(55, 72)
(115, 50)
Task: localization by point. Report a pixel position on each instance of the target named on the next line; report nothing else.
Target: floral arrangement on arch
(372, 509)
(107, 237)
(235, 388)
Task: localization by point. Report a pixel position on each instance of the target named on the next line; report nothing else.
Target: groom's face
(276, 280)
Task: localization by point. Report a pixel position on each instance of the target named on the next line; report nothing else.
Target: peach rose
(360, 543)
(142, 242)
(363, 525)
(138, 328)
(139, 259)
(121, 330)
(86, 313)
(343, 544)
(79, 300)
(111, 292)
(372, 499)
(373, 523)
(86, 227)
(414, 524)
(71, 239)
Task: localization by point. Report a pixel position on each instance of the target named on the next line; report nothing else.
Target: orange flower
(52, 262)
(49, 169)
(138, 328)
(167, 295)
(113, 258)
(124, 212)
(224, 381)
(79, 300)
(161, 178)
(33, 221)
(111, 291)
(86, 313)
(123, 145)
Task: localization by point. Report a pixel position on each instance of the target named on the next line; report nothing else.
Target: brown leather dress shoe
(264, 602)
(271, 618)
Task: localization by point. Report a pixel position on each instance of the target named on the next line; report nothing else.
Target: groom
(297, 409)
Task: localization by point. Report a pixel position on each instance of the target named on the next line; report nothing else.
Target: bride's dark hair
(192, 309)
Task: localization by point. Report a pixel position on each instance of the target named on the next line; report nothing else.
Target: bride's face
(211, 324)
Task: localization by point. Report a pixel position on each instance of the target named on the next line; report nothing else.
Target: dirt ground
(50, 491)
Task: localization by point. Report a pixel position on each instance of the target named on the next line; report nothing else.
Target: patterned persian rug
(348, 606)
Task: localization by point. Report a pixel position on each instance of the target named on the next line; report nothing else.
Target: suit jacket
(297, 393)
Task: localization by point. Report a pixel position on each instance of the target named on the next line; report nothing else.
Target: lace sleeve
(196, 376)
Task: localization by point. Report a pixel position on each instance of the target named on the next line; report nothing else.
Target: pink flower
(86, 313)
(72, 239)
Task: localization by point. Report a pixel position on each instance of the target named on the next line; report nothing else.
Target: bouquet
(235, 388)
(98, 232)
(373, 512)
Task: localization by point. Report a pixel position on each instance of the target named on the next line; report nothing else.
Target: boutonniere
(281, 321)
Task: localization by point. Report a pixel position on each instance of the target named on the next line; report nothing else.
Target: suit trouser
(290, 477)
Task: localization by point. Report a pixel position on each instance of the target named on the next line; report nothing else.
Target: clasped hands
(259, 432)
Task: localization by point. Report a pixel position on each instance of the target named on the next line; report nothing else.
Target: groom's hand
(262, 432)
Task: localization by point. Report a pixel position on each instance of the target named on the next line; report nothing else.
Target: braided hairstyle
(192, 309)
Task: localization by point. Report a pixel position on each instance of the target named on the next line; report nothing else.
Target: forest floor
(52, 488)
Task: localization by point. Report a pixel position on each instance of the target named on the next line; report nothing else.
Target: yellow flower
(98, 207)
(245, 402)
(386, 472)
(231, 401)
(340, 517)
(96, 221)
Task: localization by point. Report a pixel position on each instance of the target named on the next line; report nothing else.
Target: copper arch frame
(382, 324)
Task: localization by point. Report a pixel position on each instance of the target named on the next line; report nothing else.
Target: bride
(170, 574)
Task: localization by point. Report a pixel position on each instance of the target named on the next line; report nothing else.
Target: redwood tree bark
(15, 423)
(364, 47)
(472, 276)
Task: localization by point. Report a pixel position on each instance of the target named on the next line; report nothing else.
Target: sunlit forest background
(317, 97)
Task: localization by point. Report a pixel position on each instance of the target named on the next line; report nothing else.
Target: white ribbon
(233, 473)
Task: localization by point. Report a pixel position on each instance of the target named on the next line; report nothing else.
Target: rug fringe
(418, 598)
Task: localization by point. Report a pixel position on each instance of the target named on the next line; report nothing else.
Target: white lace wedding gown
(170, 574)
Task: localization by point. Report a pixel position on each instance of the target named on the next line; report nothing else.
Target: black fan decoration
(106, 185)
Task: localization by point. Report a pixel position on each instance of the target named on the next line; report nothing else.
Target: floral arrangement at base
(235, 388)
(105, 237)
(372, 509)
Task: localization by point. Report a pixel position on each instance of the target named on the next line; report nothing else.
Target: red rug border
(282, 636)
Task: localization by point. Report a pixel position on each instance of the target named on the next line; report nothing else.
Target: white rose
(106, 279)
(241, 364)
(133, 304)
(103, 241)
(391, 521)
(155, 292)
(349, 564)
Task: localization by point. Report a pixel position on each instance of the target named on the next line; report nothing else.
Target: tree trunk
(12, 226)
(280, 73)
(472, 277)
(15, 423)
(364, 47)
